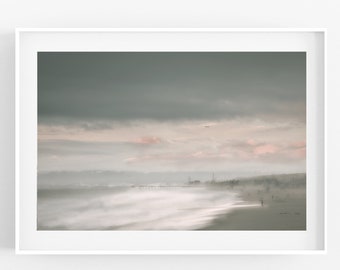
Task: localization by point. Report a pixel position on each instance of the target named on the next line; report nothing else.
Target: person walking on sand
(261, 202)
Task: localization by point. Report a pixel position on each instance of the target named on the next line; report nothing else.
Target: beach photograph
(178, 141)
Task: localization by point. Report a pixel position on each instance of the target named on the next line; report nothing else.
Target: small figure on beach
(262, 202)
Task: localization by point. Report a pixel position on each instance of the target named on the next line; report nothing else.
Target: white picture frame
(30, 241)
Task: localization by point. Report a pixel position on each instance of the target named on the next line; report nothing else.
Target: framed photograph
(170, 141)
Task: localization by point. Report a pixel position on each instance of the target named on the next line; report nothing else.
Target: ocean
(132, 208)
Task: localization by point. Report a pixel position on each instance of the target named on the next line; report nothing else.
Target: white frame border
(167, 252)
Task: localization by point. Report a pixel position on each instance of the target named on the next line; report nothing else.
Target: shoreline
(281, 210)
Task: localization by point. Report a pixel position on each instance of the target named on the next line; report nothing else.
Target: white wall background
(175, 13)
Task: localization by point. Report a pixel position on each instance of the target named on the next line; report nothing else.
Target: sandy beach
(275, 202)
(283, 209)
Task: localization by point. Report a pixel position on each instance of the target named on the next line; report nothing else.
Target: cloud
(63, 148)
(147, 140)
(173, 145)
(232, 152)
(266, 149)
(163, 86)
(95, 125)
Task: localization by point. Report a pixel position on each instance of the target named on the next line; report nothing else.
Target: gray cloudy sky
(169, 111)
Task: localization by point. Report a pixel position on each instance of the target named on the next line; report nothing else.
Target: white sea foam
(183, 208)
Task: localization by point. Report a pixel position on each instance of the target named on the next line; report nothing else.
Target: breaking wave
(132, 208)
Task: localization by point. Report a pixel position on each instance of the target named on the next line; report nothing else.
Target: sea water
(132, 208)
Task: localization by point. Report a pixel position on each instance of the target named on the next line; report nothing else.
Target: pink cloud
(265, 149)
(299, 144)
(147, 140)
(231, 151)
(251, 142)
(252, 149)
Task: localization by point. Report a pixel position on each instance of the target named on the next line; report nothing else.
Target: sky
(172, 111)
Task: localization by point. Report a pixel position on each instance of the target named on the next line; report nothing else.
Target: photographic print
(171, 141)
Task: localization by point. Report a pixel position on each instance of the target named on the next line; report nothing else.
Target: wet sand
(281, 210)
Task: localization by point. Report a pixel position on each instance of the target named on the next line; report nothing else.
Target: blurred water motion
(132, 208)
